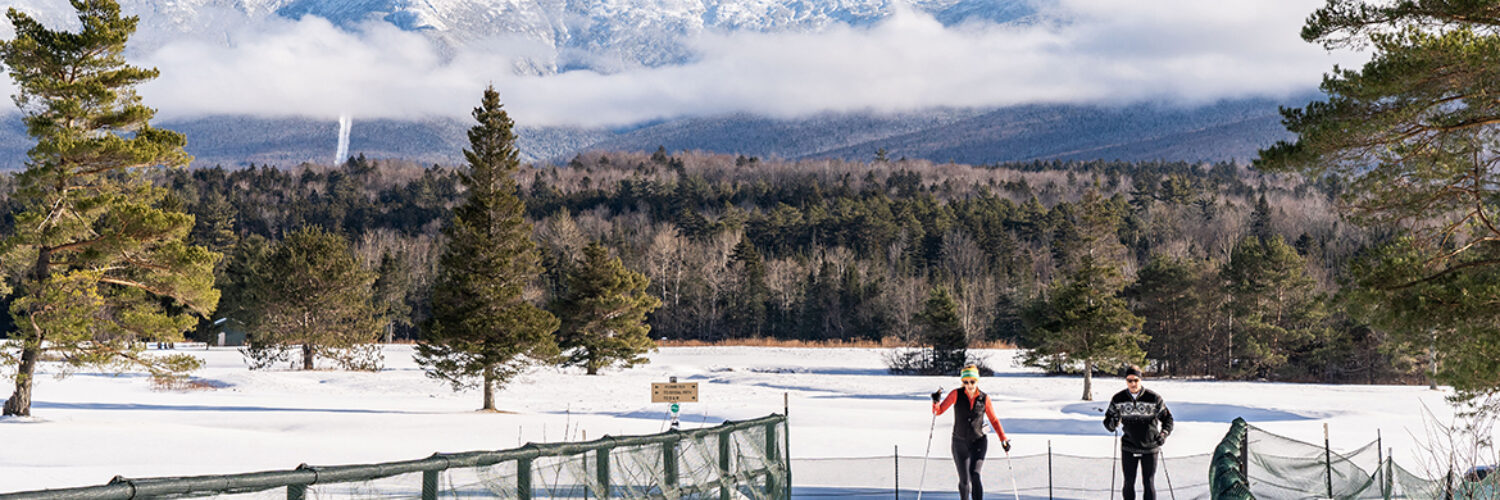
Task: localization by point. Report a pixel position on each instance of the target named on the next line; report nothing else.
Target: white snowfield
(91, 427)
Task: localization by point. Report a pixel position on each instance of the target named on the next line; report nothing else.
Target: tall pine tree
(101, 263)
(1410, 136)
(603, 313)
(482, 327)
(1084, 320)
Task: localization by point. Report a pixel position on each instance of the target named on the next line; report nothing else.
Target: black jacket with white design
(1140, 416)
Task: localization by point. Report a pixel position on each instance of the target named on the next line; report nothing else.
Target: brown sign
(674, 392)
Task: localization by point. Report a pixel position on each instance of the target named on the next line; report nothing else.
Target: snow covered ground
(91, 427)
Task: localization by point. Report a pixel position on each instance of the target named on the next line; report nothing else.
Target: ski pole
(1012, 468)
(922, 480)
(1168, 474)
(1113, 464)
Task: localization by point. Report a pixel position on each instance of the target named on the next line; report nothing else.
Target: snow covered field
(91, 427)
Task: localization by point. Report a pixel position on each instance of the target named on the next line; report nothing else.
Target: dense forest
(1234, 273)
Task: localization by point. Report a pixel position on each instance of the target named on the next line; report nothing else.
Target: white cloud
(1076, 51)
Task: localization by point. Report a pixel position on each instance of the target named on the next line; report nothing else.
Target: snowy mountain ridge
(602, 35)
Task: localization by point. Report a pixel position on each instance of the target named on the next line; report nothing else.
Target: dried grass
(888, 342)
(170, 383)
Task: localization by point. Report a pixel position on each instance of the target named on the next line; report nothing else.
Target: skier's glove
(937, 396)
(1005, 444)
(1163, 437)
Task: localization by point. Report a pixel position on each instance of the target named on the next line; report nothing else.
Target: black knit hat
(1132, 370)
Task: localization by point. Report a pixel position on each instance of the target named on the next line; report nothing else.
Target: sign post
(674, 393)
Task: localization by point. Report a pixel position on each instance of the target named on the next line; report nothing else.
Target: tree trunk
(307, 356)
(19, 403)
(489, 390)
(1088, 380)
(592, 364)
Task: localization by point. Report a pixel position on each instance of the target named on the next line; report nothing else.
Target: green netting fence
(1251, 464)
(733, 461)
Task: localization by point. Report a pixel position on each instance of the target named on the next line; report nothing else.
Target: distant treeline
(1236, 274)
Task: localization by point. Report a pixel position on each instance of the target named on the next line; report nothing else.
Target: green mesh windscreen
(1251, 463)
(732, 461)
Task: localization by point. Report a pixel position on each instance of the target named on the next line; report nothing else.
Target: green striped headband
(969, 372)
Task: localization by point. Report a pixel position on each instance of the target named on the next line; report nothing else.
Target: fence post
(1379, 461)
(1390, 470)
(786, 438)
(1327, 460)
(772, 487)
(429, 484)
(603, 471)
(726, 480)
(523, 479)
(669, 468)
(896, 459)
(1049, 469)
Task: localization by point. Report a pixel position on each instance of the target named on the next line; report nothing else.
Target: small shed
(228, 332)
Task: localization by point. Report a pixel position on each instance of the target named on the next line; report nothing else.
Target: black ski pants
(1147, 463)
(968, 456)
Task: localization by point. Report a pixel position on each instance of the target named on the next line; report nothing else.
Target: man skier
(969, 441)
(1139, 410)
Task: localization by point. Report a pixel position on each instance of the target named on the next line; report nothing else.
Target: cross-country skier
(1138, 410)
(969, 440)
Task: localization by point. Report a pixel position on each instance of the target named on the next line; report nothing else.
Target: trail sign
(673, 392)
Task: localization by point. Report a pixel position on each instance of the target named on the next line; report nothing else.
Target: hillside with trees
(1227, 272)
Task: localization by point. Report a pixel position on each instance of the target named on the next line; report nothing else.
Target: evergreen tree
(214, 228)
(1085, 322)
(482, 326)
(101, 262)
(1274, 304)
(310, 295)
(1260, 219)
(747, 311)
(940, 328)
(1409, 139)
(1169, 294)
(392, 288)
(603, 314)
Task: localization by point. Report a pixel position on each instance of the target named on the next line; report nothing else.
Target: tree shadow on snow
(209, 408)
(1199, 412)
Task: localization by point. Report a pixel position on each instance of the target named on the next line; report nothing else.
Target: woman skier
(970, 408)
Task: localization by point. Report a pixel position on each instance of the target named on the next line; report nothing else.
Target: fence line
(732, 460)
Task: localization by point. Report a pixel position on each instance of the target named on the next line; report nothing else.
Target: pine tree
(310, 295)
(215, 223)
(393, 284)
(1260, 219)
(1275, 306)
(1409, 137)
(940, 328)
(747, 310)
(604, 312)
(101, 263)
(1169, 294)
(1084, 320)
(482, 326)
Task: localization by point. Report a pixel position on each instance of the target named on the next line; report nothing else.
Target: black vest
(968, 420)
